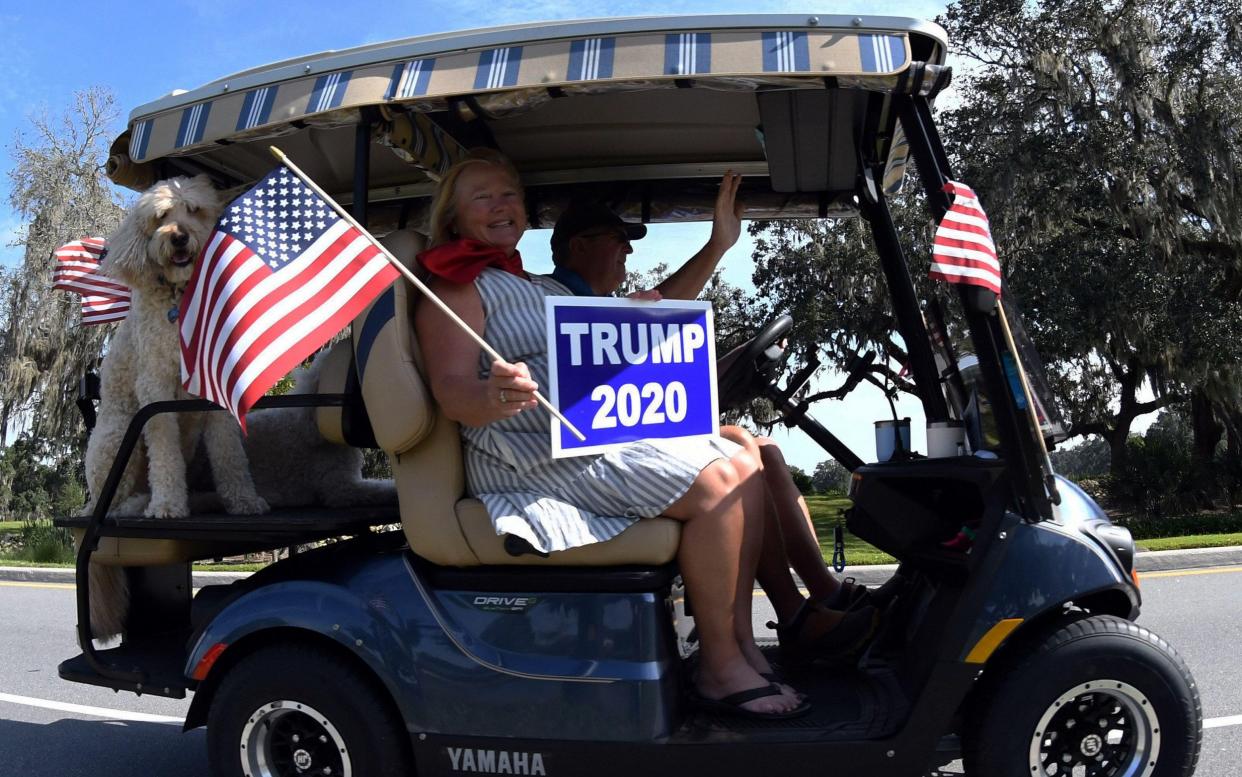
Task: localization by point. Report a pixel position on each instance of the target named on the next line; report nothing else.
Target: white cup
(945, 439)
(886, 436)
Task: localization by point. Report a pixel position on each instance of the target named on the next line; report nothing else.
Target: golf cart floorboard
(289, 525)
(160, 659)
(845, 704)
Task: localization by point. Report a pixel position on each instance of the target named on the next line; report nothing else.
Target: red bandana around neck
(461, 261)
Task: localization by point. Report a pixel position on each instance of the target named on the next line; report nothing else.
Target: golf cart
(440, 648)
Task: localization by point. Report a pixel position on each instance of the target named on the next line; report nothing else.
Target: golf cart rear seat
(425, 450)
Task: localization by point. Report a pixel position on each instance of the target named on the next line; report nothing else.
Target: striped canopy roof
(501, 69)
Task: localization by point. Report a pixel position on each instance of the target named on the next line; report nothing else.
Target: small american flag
(963, 251)
(77, 271)
(281, 274)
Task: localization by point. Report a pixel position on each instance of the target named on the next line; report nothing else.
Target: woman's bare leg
(773, 566)
(796, 529)
(717, 555)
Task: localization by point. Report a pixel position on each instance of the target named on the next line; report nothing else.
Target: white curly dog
(154, 251)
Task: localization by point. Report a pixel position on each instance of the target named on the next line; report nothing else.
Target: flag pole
(1030, 400)
(412, 278)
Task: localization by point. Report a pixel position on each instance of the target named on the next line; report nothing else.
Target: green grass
(825, 511)
(228, 567)
(1195, 541)
(9, 560)
(1203, 530)
(12, 560)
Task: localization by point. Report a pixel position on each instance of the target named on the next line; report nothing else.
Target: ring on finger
(503, 399)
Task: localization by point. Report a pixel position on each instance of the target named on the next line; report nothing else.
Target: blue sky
(143, 50)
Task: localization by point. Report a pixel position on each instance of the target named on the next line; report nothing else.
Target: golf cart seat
(440, 523)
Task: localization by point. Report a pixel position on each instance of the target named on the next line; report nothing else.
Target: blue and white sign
(623, 370)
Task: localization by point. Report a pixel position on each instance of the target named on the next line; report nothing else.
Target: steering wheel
(748, 369)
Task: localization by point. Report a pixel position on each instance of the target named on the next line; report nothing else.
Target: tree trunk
(1117, 437)
(1119, 431)
(1207, 433)
(1233, 456)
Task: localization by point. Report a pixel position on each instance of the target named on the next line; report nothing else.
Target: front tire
(1096, 697)
(297, 710)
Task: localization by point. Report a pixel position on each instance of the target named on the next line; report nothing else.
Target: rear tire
(297, 710)
(1096, 697)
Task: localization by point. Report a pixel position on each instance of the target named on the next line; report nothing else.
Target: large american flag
(281, 274)
(963, 251)
(77, 271)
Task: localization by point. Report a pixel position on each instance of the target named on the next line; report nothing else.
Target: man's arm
(691, 277)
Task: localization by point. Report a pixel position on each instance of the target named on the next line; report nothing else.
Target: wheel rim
(1104, 728)
(290, 739)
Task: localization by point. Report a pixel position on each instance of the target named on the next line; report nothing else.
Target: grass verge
(1195, 541)
(826, 513)
(1202, 530)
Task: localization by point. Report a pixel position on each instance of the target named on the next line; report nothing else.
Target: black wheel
(1097, 697)
(298, 711)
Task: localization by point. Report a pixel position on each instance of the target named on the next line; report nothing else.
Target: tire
(1027, 717)
(299, 710)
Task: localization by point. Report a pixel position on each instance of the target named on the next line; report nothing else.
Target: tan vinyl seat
(425, 450)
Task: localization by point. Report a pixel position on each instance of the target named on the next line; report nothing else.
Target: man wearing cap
(590, 243)
(589, 247)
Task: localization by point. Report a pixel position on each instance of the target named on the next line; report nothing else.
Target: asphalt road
(50, 727)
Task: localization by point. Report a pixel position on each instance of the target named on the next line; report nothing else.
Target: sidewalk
(1146, 561)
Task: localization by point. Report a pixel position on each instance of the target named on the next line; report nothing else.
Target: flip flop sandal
(732, 704)
(804, 639)
(778, 681)
(849, 594)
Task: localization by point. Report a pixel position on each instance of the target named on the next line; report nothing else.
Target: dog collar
(176, 290)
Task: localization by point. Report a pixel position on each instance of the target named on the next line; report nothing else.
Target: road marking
(81, 709)
(1180, 572)
(142, 717)
(58, 586)
(62, 586)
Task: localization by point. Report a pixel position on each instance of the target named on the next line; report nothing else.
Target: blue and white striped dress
(555, 504)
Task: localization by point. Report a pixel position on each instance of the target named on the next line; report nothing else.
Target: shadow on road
(100, 748)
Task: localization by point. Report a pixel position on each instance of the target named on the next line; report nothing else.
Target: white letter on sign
(634, 354)
(666, 347)
(575, 332)
(604, 344)
(695, 337)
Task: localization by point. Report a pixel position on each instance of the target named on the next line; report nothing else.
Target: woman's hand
(648, 295)
(510, 389)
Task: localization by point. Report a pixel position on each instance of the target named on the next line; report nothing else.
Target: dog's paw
(249, 504)
(134, 505)
(167, 508)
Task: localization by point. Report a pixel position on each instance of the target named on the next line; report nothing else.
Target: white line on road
(142, 717)
(82, 709)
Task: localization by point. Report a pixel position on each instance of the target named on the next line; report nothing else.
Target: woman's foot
(759, 662)
(738, 679)
(816, 632)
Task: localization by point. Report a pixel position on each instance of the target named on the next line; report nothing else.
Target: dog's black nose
(179, 239)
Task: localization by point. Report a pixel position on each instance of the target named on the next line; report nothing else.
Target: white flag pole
(412, 278)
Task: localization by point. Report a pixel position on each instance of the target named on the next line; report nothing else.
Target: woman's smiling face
(488, 207)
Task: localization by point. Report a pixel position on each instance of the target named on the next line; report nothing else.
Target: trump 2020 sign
(624, 370)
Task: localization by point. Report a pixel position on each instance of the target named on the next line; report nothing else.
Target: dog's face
(179, 221)
(164, 232)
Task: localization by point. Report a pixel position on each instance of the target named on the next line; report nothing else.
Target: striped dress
(555, 504)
